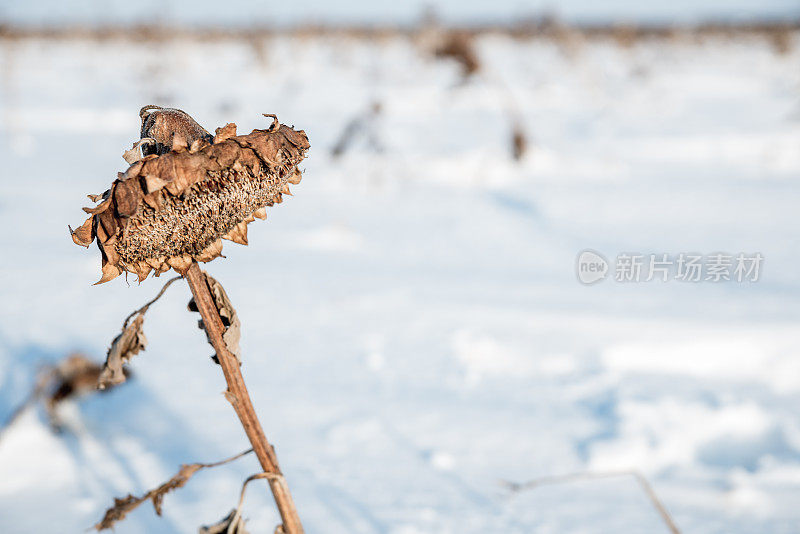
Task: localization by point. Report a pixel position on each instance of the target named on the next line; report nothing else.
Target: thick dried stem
(237, 395)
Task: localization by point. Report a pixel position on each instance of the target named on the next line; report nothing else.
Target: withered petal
(153, 183)
(181, 264)
(110, 271)
(127, 196)
(210, 252)
(226, 132)
(142, 270)
(83, 235)
(238, 234)
(295, 177)
(156, 263)
(109, 222)
(103, 206)
(179, 143)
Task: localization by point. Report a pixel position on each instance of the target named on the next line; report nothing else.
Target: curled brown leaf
(135, 153)
(233, 523)
(122, 507)
(127, 344)
(230, 319)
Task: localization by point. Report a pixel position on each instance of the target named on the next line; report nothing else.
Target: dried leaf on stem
(127, 344)
(233, 523)
(122, 507)
(230, 319)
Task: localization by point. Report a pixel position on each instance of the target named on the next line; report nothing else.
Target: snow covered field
(413, 330)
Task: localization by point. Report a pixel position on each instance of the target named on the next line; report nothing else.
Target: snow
(413, 330)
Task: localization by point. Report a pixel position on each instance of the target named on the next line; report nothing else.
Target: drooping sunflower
(189, 191)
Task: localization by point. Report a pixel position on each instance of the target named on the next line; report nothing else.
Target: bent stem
(238, 397)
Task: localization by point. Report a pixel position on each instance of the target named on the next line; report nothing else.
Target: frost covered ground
(413, 330)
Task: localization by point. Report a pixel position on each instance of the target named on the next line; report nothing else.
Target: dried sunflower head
(171, 208)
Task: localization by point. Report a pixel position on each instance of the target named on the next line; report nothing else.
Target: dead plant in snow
(459, 46)
(170, 210)
(73, 377)
(641, 480)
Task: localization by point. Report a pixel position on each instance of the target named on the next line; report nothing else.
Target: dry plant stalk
(460, 46)
(171, 209)
(640, 478)
(519, 143)
(364, 125)
(122, 507)
(239, 398)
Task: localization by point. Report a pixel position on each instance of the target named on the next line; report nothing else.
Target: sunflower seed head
(170, 209)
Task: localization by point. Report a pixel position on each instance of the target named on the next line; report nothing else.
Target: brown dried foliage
(230, 319)
(781, 41)
(519, 142)
(233, 523)
(125, 346)
(167, 210)
(74, 376)
(122, 507)
(459, 46)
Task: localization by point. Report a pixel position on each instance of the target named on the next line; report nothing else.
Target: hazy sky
(290, 12)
